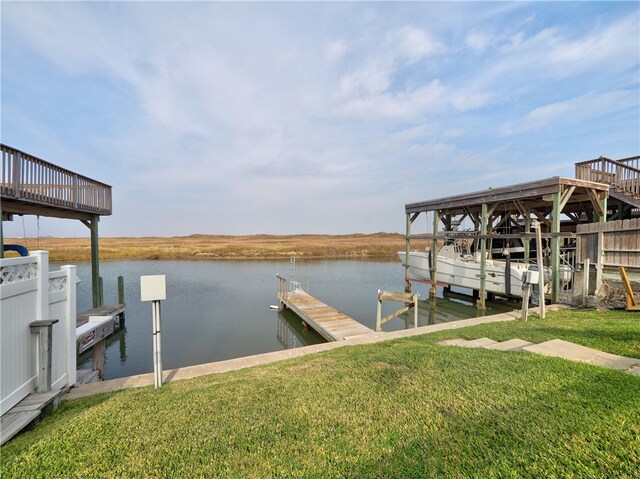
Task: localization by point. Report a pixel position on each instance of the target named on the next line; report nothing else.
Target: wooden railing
(623, 175)
(282, 286)
(27, 178)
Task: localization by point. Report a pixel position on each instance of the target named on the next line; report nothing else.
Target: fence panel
(29, 292)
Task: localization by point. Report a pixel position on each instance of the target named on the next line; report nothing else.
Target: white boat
(457, 267)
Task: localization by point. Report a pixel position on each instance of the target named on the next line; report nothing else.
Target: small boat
(457, 266)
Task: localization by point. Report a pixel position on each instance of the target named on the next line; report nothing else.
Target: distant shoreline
(223, 247)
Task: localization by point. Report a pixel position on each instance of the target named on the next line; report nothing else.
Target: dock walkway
(330, 323)
(104, 310)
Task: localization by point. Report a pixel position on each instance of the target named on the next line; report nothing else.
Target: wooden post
(121, 299)
(434, 256)
(483, 259)
(585, 281)
(379, 313)
(95, 261)
(555, 249)
(540, 268)
(97, 361)
(407, 249)
(526, 241)
(599, 259)
(45, 346)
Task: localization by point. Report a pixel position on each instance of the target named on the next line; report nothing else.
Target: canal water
(218, 310)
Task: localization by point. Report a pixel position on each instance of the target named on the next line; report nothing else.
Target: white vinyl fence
(30, 292)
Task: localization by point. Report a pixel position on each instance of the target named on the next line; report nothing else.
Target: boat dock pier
(330, 323)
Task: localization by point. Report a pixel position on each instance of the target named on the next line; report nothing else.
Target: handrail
(26, 177)
(282, 286)
(616, 173)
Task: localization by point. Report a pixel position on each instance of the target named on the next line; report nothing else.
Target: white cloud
(470, 101)
(408, 104)
(335, 50)
(232, 102)
(576, 109)
(478, 41)
(415, 43)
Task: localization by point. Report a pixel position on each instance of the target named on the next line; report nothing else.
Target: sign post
(153, 288)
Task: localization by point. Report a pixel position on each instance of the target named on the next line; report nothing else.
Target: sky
(304, 117)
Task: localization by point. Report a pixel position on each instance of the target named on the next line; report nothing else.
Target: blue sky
(243, 118)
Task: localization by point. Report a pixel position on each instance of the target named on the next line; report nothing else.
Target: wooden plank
(104, 310)
(327, 321)
(13, 423)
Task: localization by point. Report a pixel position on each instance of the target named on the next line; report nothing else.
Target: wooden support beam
(95, 260)
(407, 249)
(542, 218)
(434, 256)
(484, 216)
(414, 217)
(472, 235)
(599, 208)
(555, 249)
(566, 194)
(410, 300)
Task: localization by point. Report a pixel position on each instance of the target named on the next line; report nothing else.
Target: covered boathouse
(506, 213)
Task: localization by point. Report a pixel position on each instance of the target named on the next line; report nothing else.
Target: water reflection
(292, 334)
(451, 306)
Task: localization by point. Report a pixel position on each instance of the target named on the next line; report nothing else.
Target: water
(218, 310)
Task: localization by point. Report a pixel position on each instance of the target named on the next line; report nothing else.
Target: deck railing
(623, 175)
(27, 178)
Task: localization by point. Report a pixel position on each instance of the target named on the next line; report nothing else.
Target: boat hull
(466, 274)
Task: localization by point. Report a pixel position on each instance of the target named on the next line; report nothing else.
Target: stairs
(555, 348)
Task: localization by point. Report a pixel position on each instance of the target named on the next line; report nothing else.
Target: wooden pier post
(555, 249)
(407, 249)
(483, 258)
(410, 300)
(434, 256)
(95, 259)
(121, 299)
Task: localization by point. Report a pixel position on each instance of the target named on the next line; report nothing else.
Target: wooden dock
(104, 310)
(330, 323)
(25, 412)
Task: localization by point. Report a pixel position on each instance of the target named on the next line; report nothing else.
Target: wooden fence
(27, 178)
(612, 244)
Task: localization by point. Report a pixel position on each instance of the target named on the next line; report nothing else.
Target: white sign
(153, 288)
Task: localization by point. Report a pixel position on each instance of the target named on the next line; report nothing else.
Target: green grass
(616, 332)
(403, 408)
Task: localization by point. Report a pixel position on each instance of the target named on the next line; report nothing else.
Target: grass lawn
(402, 408)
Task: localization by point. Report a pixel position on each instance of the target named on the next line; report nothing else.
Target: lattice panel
(57, 284)
(17, 273)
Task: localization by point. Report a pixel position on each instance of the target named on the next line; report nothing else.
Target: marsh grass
(208, 247)
(402, 408)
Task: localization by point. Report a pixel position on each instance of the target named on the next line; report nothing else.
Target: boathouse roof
(530, 196)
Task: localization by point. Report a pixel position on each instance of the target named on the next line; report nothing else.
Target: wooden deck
(25, 412)
(330, 323)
